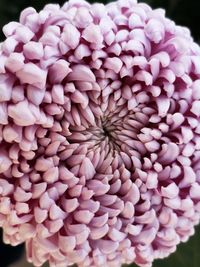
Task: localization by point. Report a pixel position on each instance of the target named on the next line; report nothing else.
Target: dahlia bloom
(99, 134)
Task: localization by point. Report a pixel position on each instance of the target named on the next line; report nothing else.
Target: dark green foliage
(187, 254)
(6, 251)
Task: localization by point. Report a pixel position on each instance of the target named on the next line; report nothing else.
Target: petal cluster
(99, 134)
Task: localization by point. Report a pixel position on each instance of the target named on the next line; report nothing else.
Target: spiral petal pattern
(99, 134)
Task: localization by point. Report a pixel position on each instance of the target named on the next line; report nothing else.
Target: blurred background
(183, 12)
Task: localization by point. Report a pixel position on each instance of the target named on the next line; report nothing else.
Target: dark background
(183, 12)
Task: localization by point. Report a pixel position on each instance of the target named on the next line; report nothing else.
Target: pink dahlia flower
(99, 134)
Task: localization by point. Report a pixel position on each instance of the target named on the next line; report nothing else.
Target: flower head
(99, 134)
